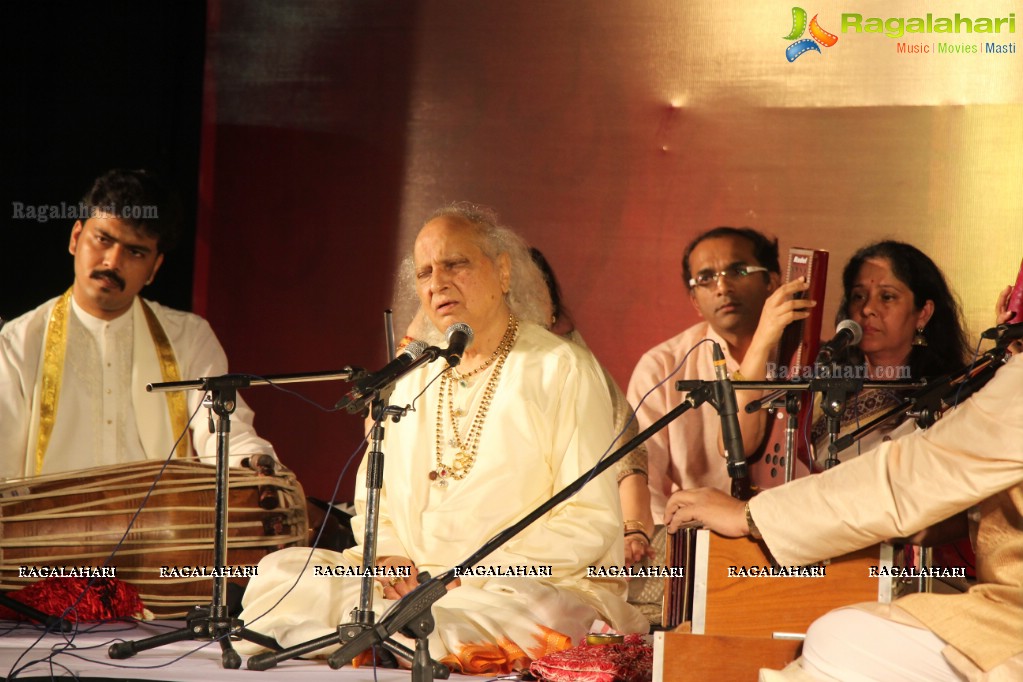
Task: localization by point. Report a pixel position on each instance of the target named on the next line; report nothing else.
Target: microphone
(459, 336)
(364, 388)
(1004, 332)
(724, 395)
(847, 334)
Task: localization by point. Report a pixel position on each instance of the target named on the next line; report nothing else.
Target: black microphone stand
(790, 401)
(834, 394)
(716, 393)
(835, 390)
(373, 393)
(212, 623)
(412, 613)
(51, 623)
(927, 404)
(363, 616)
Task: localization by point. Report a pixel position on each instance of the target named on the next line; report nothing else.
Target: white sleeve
(17, 376)
(201, 355)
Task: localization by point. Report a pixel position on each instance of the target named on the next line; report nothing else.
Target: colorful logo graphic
(818, 35)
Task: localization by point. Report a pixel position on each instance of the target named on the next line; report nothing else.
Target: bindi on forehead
(878, 272)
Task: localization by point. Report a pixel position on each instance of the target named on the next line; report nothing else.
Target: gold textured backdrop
(611, 133)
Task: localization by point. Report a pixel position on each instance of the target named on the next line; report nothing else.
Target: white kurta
(99, 415)
(972, 455)
(549, 422)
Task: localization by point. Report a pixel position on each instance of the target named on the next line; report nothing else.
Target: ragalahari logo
(817, 35)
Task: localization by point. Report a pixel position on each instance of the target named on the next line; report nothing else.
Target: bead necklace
(467, 448)
(463, 379)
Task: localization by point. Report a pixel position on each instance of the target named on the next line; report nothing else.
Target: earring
(919, 339)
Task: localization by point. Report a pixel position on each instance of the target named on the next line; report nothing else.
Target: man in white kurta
(104, 415)
(549, 421)
(73, 371)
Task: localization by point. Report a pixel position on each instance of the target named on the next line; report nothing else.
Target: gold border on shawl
(176, 404)
(53, 373)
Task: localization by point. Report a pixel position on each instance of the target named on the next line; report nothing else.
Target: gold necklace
(465, 457)
(463, 379)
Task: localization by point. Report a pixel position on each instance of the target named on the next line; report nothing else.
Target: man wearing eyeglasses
(729, 273)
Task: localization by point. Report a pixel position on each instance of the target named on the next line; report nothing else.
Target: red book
(801, 340)
(1015, 303)
(797, 351)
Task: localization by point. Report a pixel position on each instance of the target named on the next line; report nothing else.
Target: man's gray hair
(527, 297)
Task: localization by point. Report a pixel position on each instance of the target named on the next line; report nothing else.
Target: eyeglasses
(737, 271)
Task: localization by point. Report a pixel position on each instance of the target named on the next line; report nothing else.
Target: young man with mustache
(73, 371)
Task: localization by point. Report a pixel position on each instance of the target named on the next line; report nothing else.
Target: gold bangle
(754, 532)
(632, 524)
(640, 533)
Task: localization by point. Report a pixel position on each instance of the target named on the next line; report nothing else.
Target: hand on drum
(707, 507)
(261, 464)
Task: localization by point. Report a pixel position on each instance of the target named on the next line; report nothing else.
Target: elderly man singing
(524, 414)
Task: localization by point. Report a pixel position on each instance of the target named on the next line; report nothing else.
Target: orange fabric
(365, 658)
(548, 641)
(488, 658)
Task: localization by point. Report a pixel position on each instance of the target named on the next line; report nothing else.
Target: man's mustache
(109, 274)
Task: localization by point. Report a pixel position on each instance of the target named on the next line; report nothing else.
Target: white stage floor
(26, 654)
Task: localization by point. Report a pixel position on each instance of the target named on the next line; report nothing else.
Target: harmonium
(733, 611)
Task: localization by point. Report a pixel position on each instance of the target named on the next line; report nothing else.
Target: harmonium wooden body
(734, 611)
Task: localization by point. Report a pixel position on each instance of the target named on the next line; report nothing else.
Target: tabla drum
(61, 522)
